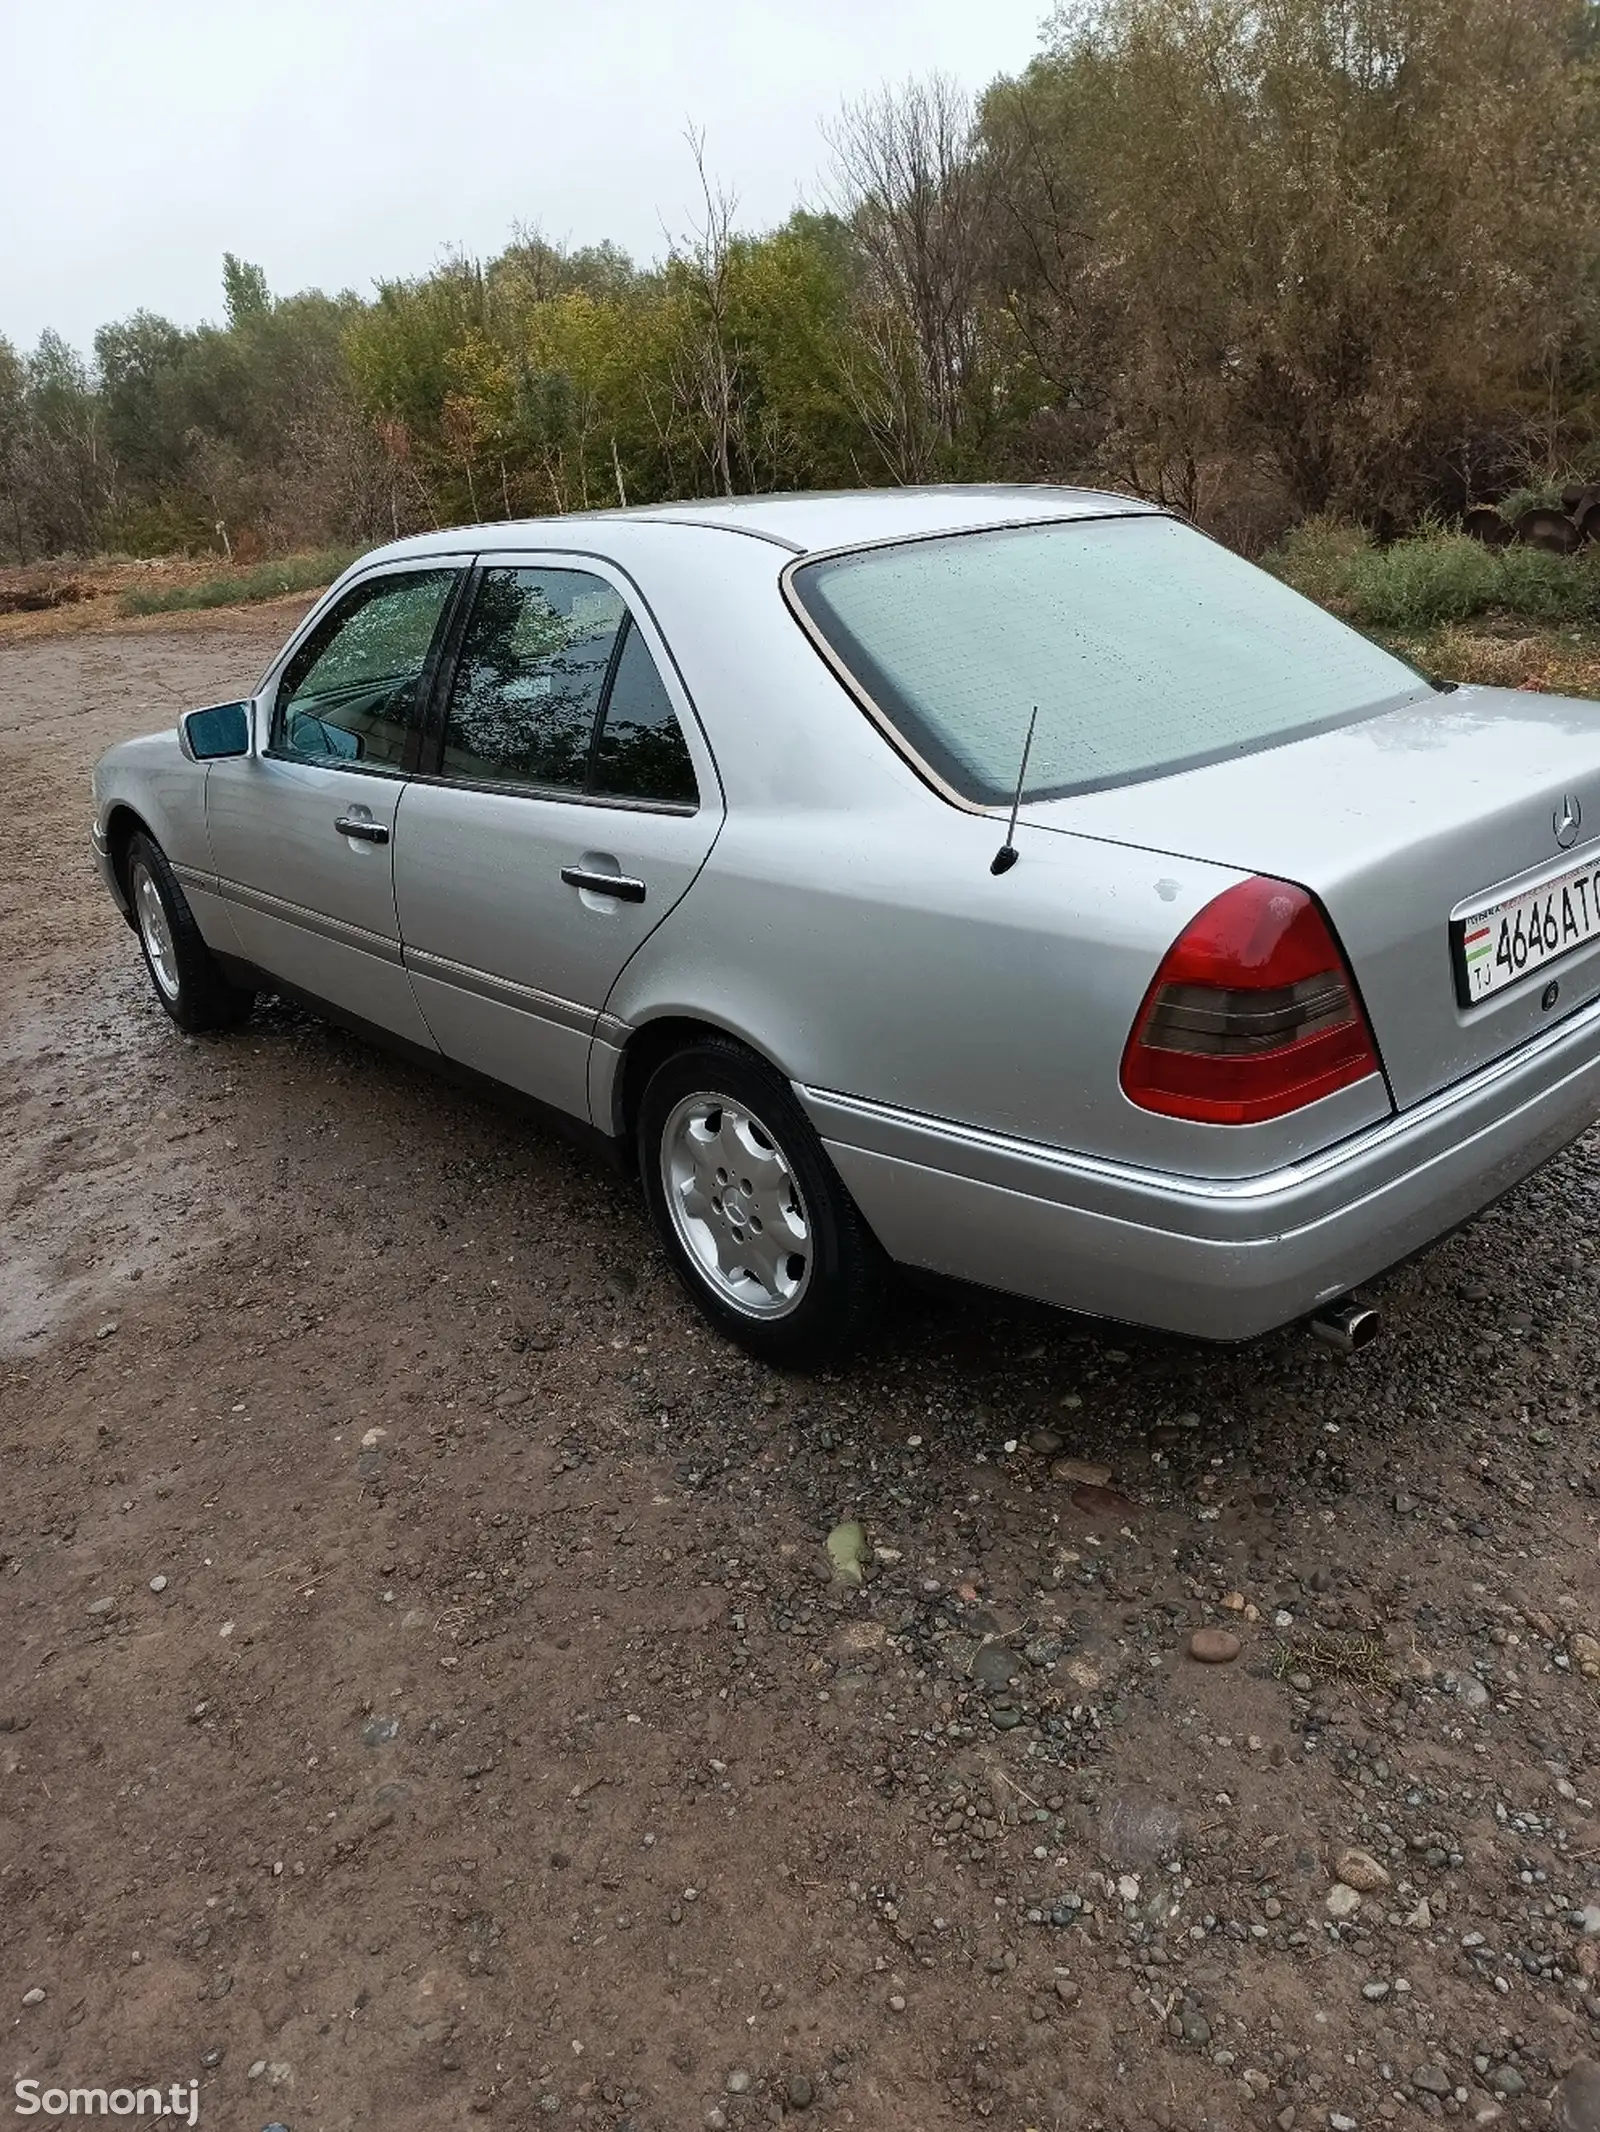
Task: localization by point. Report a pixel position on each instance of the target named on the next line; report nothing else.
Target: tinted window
(353, 691)
(1145, 646)
(531, 675)
(642, 753)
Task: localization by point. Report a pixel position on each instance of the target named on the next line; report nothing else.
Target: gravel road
(428, 1697)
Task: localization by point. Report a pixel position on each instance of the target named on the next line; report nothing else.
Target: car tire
(733, 1171)
(186, 976)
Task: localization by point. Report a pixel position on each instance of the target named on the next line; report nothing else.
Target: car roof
(804, 522)
(831, 519)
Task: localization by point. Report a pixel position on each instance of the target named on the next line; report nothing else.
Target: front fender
(150, 784)
(152, 779)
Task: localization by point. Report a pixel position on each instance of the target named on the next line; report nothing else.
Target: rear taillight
(1252, 1014)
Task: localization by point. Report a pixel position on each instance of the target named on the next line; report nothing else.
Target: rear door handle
(365, 832)
(622, 886)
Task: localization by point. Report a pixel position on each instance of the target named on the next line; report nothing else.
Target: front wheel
(187, 978)
(751, 1212)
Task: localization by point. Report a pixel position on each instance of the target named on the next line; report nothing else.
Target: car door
(302, 829)
(566, 757)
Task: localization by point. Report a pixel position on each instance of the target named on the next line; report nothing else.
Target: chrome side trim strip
(193, 877)
(609, 1029)
(503, 788)
(565, 1013)
(335, 929)
(1026, 1165)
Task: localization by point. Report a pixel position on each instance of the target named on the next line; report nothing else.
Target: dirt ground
(424, 1701)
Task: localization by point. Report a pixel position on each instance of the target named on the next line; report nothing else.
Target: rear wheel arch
(782, 1262)
(648, 1046)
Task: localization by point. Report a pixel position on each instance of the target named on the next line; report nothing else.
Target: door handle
(622, 886)
(365, 832)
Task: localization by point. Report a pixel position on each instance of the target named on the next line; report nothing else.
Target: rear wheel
(188, 980)
(749, 1209)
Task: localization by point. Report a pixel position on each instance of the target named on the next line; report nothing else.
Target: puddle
(112, 1168)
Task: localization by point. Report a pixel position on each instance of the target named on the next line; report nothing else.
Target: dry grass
(1508, 618)
(109, 592)
(1334, 1655)
(253, 586)
(1509, 654)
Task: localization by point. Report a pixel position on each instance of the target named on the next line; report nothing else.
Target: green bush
(1316, 557)
(266, 581)
(1533, 496)
(1435, 577)
(165, 526)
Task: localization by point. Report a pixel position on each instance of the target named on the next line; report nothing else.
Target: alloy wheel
(735, 1206)
(155, 930)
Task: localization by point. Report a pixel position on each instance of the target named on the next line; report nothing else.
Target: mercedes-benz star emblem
(1567, 821)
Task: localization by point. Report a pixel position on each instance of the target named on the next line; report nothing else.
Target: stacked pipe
(1560, 532)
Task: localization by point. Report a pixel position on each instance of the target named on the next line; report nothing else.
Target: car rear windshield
(1146, 647)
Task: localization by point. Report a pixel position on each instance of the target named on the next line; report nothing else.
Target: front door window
(353, 692)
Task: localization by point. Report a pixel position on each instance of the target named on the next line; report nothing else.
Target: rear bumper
(1222, 1259)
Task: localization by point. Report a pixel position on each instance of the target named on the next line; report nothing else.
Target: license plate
(1503, 941)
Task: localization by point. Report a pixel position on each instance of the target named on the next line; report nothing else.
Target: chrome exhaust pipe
(1346, 1325)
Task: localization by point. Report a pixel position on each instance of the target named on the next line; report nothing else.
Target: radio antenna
(1006, 857)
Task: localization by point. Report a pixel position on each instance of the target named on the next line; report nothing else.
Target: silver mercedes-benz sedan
(1008, 882)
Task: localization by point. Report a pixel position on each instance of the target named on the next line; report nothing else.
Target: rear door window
(641, 752)
(556, 690)
(531, 678)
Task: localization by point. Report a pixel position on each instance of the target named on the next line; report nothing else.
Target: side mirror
(222, 729)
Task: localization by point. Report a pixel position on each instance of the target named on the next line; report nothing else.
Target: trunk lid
(1393, 823)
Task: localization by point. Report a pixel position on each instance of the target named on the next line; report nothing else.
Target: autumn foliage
(1259, 261)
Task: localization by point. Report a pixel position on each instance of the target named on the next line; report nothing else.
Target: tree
(244, 289)
(15, 501)
(915, 191)
(1253, 258)
(705, 381)
(71, 473)
(793, 319)
(1344, 242)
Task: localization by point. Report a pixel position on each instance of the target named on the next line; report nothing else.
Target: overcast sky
(340, 142)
